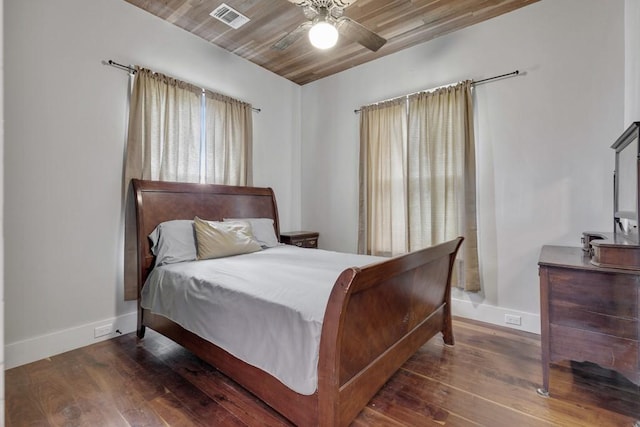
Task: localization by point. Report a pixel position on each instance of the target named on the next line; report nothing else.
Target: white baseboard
(27, 351)
(495, 315)
(41, 347)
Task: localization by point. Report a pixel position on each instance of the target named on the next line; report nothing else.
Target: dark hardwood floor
(488, 378)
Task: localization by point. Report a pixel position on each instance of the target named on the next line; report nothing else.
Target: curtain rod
(473, 82)
(132, 71)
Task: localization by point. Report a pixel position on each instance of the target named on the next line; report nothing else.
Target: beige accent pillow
(216, 239)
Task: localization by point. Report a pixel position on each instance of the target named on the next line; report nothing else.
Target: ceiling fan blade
(360, 34)
(293, 36)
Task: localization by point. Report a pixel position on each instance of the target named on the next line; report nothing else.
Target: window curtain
(171, 137)
(383, 188)
(229, 132)
(164, 129)
(441, 176)
(417, 177)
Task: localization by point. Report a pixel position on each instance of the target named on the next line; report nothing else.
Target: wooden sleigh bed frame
(376, 317)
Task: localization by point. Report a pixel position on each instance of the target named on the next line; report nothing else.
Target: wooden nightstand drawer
(303, 239)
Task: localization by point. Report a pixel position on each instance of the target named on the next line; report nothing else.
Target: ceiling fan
(325, 21)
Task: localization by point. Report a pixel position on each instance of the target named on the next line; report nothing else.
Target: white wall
(544, 162)
(65, 127)
(632, 61)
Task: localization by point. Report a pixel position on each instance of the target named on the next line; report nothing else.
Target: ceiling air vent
(229, 16)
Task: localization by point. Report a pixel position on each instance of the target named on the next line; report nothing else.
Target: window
(180, 132)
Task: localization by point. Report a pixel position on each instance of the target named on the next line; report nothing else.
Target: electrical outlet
(510, 319)
(102, 330)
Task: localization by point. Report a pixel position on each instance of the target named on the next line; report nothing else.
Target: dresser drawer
(605, 294)
(579, 317)
(611, 352)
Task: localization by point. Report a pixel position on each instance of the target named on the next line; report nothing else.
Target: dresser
(588, 313)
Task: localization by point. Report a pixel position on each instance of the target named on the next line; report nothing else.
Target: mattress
(266, 308)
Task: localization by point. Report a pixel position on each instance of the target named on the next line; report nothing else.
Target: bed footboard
(376, 318)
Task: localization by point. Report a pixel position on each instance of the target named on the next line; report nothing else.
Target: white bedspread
(265, 308)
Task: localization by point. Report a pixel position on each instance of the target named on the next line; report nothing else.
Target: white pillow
(216, 239)
(173, 241)
(262, 229)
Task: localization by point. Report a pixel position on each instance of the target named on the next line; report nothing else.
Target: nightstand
(303, 239)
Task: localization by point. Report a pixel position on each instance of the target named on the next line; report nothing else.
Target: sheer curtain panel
(228, 147)
(164, 129)
(383, 189)
(441, 176)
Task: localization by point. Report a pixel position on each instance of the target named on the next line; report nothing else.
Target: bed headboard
(158, 201)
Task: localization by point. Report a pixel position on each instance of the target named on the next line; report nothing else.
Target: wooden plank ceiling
(403, 23)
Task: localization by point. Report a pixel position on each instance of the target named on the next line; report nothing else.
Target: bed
(376, 316)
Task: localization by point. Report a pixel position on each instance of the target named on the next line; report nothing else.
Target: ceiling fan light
(323, 35)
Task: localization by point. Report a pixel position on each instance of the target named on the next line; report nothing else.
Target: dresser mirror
(625, 199)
